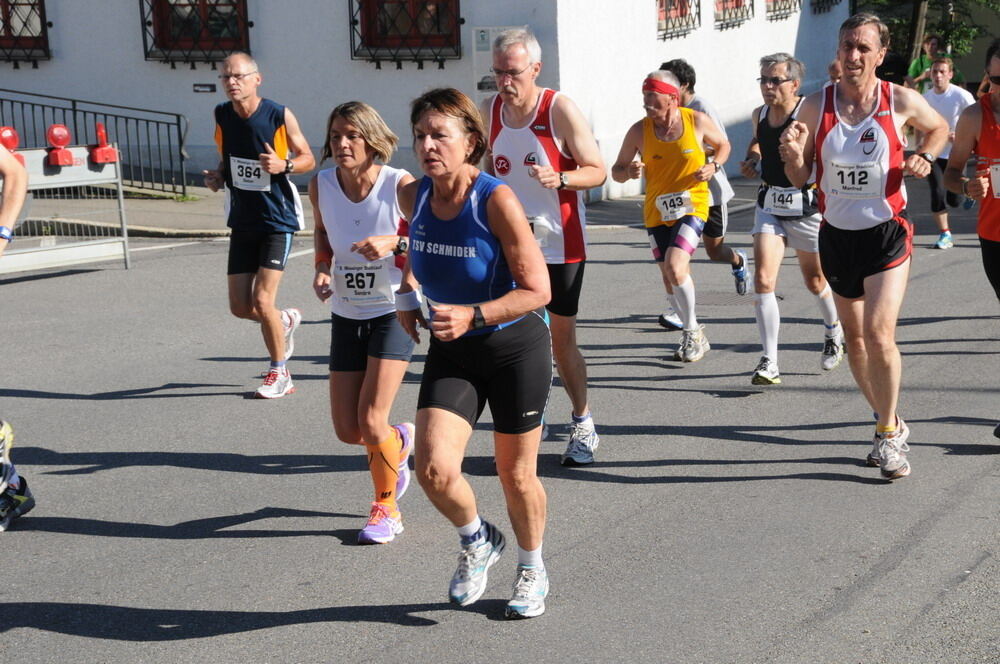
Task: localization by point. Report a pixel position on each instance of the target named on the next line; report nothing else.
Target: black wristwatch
(289, 165)
(563, 181)
(401, 246)
(478, 322)
(928, 157)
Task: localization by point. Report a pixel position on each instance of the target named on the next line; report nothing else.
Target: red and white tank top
(859, 167)
(988, 165)
(362, 289)
(558, 216)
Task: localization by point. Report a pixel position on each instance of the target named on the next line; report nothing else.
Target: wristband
(323, 256)
(6, 233)
(408, 301)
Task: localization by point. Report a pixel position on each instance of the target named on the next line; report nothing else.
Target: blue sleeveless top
(253, 205)
(459, 261)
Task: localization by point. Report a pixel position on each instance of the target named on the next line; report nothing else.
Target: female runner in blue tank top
(474, 255)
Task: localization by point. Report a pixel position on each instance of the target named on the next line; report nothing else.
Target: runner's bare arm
(712, 136)
(323, 254)
(966, 139)
(626, 166)
(572, 128)
(798, 142)
(932, 127)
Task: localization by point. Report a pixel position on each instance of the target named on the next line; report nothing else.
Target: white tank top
(859, 167)
(361, 289)
(557, 216)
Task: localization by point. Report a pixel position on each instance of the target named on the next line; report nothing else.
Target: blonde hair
(370, 124)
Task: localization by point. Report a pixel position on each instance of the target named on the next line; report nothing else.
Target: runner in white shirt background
(949, 100)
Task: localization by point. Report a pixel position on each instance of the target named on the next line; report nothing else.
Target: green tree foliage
(953, 21)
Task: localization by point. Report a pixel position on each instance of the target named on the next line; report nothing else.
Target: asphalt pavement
(179, 520)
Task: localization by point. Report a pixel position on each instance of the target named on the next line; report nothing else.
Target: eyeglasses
(772, 80)
(500, 73)
(995, 80)
(236, 77)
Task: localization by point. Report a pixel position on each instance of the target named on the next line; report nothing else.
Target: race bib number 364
(249, 175)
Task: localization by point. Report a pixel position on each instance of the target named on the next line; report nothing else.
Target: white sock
(672, 302)
(765, 307)
(15, 479)
(828, 311)
(684, 297)
(530, 558)
(470, 528)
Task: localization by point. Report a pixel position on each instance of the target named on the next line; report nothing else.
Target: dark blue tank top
(459, 261)
(254, 205)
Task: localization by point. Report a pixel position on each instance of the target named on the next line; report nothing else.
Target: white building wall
(604, 56)
(595, 51)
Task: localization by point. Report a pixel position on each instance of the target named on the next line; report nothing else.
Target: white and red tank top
(859, 168)
(558, 216)
(362, 289)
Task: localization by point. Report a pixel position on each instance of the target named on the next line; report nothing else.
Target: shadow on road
(210, 528)
(271, 464)
(123, 623)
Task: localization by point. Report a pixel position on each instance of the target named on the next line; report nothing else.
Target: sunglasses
(772, 80)
(995, 80)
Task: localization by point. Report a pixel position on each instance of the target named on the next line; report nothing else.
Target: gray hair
(666, 77)
(519, 37)
(794, 68)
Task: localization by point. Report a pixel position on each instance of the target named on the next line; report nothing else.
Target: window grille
(820, 6)
(192, 31)
(398, 30)
(731, 13)
(676, 18)
(779, 9)
(24, 34)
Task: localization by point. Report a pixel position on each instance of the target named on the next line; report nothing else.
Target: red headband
(662, 87)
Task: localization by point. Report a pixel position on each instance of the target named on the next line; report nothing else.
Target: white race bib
(249, 175)
(674, 206)
(783, 201)
(995, 179)
(364, 285)
(854, 180)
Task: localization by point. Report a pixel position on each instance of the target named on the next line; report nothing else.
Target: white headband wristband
(408, 301)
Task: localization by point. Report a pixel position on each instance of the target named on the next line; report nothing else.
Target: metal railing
(151, 143)
(676, 18)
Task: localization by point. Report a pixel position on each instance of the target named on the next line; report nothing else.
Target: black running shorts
(991, 262)
(849, 257)
(251, 250)
(718, 220)
(511, 369)
(941, 199)
(566, 282)
(352, 342)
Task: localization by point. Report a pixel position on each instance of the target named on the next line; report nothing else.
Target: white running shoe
(833, 352)
(469, 581)
(530, 589)
(766, 372)
(277, 383)
(874, 457)
(670, 320)
(694, 345)
(294, 319)
(583, 440)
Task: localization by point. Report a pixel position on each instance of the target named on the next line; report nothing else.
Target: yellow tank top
(671, 190)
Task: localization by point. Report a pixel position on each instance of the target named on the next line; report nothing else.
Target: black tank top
(772, 169)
